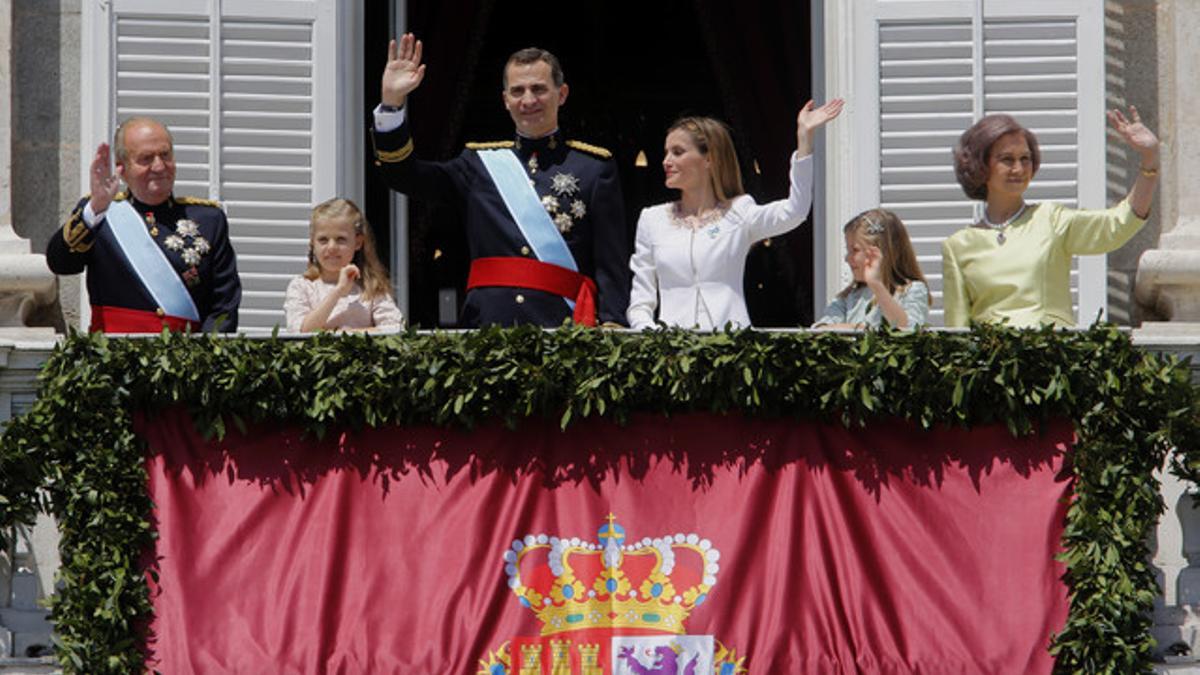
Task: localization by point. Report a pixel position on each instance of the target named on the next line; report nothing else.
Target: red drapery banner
(692, 544)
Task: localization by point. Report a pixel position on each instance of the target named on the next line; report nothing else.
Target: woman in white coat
(690, 254)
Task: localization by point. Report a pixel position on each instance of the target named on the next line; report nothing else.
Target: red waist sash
(538, 276)
(106, 319)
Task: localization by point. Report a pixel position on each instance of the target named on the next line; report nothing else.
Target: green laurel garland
(75, 454)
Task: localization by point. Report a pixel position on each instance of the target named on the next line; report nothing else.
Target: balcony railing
(27, 569)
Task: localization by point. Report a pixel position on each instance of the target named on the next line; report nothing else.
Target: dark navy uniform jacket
(589, 212)
(214, 286)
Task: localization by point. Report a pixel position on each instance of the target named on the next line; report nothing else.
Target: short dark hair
(974, 150)
(524, 57)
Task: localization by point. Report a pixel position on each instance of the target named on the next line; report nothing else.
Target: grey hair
(120, 152)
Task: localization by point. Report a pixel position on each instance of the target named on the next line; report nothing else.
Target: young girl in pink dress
(345, 286)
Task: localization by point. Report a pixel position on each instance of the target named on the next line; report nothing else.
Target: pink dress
(351, 311)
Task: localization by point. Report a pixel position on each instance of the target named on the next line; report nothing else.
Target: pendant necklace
(1000, 227)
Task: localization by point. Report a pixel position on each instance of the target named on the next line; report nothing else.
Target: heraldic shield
(608, 607)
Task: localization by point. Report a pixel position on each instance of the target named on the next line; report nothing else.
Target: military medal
(578, 208)
(550, 203)
(151, 223)
(191, 246)
(532, 164)
(563, 222)
(564, 184)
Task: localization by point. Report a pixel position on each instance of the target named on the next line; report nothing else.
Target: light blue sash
(149, 263)
(526, 209)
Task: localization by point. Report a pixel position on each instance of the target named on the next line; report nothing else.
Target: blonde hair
(883, 229)
(711, 137)
(374, 276)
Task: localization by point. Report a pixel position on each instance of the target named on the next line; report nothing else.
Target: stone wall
(1168, 274)
(1131, 78)
(45, 69)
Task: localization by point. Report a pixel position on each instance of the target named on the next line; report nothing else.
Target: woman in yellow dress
(1014, 265)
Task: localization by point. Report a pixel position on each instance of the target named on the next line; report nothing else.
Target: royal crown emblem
(571, 584)
(602, 604)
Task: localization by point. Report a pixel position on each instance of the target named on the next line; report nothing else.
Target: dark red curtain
(793, 547)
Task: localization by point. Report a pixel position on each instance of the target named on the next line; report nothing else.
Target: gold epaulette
(196, 201)
(490, 145)
(596, 150)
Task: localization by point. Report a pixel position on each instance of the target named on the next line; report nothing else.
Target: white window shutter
(928, 69)
(252, 93)
(926, 100)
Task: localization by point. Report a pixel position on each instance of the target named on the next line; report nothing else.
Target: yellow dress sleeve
(1089, 232)
(954, 294)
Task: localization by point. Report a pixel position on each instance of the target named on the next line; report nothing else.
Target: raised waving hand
(104, 185)
(1142, 140)
(404, 70)
(810, 118)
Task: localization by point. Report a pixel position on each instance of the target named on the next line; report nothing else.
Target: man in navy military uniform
(537, 256)
(152, 258)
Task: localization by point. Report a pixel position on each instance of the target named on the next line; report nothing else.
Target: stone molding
(1168, 277)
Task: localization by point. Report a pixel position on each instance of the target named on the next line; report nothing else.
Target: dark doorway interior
(633, 67)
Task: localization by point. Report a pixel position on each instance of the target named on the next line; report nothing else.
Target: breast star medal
(191, 246)
(563, 222)
(564, 184)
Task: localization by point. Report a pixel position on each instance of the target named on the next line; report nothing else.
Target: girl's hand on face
(872, 268)
(346, 278)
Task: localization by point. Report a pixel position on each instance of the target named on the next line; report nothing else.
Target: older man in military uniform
(544, 217)
(152, 258)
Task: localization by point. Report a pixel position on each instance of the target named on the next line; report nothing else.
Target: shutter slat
(163, 71)
(267, 166)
